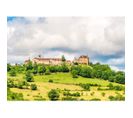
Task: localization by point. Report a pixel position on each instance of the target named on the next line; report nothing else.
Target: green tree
(64, 68)
(41, 69)
(85, 72)
(29, 77)
(74, 73)
(120, 77)
(29, 66)
(35, 68)
(63, 58)
(12, 72)
(33, 87)
(53, 95)
(8, 67)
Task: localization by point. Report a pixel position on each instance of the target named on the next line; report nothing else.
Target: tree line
(100, 71)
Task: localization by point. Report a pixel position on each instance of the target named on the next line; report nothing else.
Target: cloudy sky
(101, 38)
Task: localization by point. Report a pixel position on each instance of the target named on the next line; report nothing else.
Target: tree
(47, 72)
(106, 74)
(110, 85)
(74, 73)
(85, 72)
(29, 77)
(33, 87)
(12, 72)
(29, 66)
(14, 96)
(120, 77)
(77, 68)
(41, 69)
(53, 95)
(35, 68)
(8, 67)
(85, 86)
(64, 68)
(63, 58)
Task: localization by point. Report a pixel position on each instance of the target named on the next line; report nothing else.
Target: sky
(101, 38)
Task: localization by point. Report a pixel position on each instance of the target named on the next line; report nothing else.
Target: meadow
(65, 83)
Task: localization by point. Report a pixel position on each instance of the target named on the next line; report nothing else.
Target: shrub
(85, 72)
(33, 87)
(120, 77)
(110, 85)
(67, 93)
(53, 95)
(95, 99)
(47, 72)
(8, 67)
(12, 72)
(69, 98)
(10, 83)
(103, 94)
(77, 94)
(92, 93)
(14, 96)
(50, 80)
(85, 86)
(64, 68)
(74, 73)
(77, 68)
(41, 69)
(118, 88)
(29, 77)
(22, 85)
(116, 98)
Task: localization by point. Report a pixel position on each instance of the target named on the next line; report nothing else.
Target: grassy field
(62, 82)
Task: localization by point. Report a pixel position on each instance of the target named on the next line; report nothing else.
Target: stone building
(58, 61)
(48, 61)
(83, 59)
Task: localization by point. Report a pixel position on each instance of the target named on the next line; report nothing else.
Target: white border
(66, 8)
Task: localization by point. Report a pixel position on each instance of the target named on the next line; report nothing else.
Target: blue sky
(101, 38)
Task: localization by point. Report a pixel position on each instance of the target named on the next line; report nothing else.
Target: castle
(58, 61)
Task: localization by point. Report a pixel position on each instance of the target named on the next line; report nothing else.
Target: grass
(66, 78)
(63, 81)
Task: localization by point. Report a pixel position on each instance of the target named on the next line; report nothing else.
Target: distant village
(83, 59)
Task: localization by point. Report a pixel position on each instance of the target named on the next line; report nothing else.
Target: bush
(41, 69)
(29, 77)
(22, 85)
(119, 88)
(47, 72)
(85, 72)
(77, 94)
(53, 95)
(10, 83)
(92, 93)
(110, 85)
(116, 98)
(76, 68)
(33, 87)
(64, 68)
(8, 67)
(50, 80)
(95, 99)
(85, 86)
(120, 77)
(74, 73)
(103, 94)
(14, 96)
(69, 98)
(12, 72)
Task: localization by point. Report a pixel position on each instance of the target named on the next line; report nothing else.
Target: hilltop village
(83, 59)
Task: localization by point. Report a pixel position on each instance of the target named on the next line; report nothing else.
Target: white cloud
(71, 36)
(116, 61)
